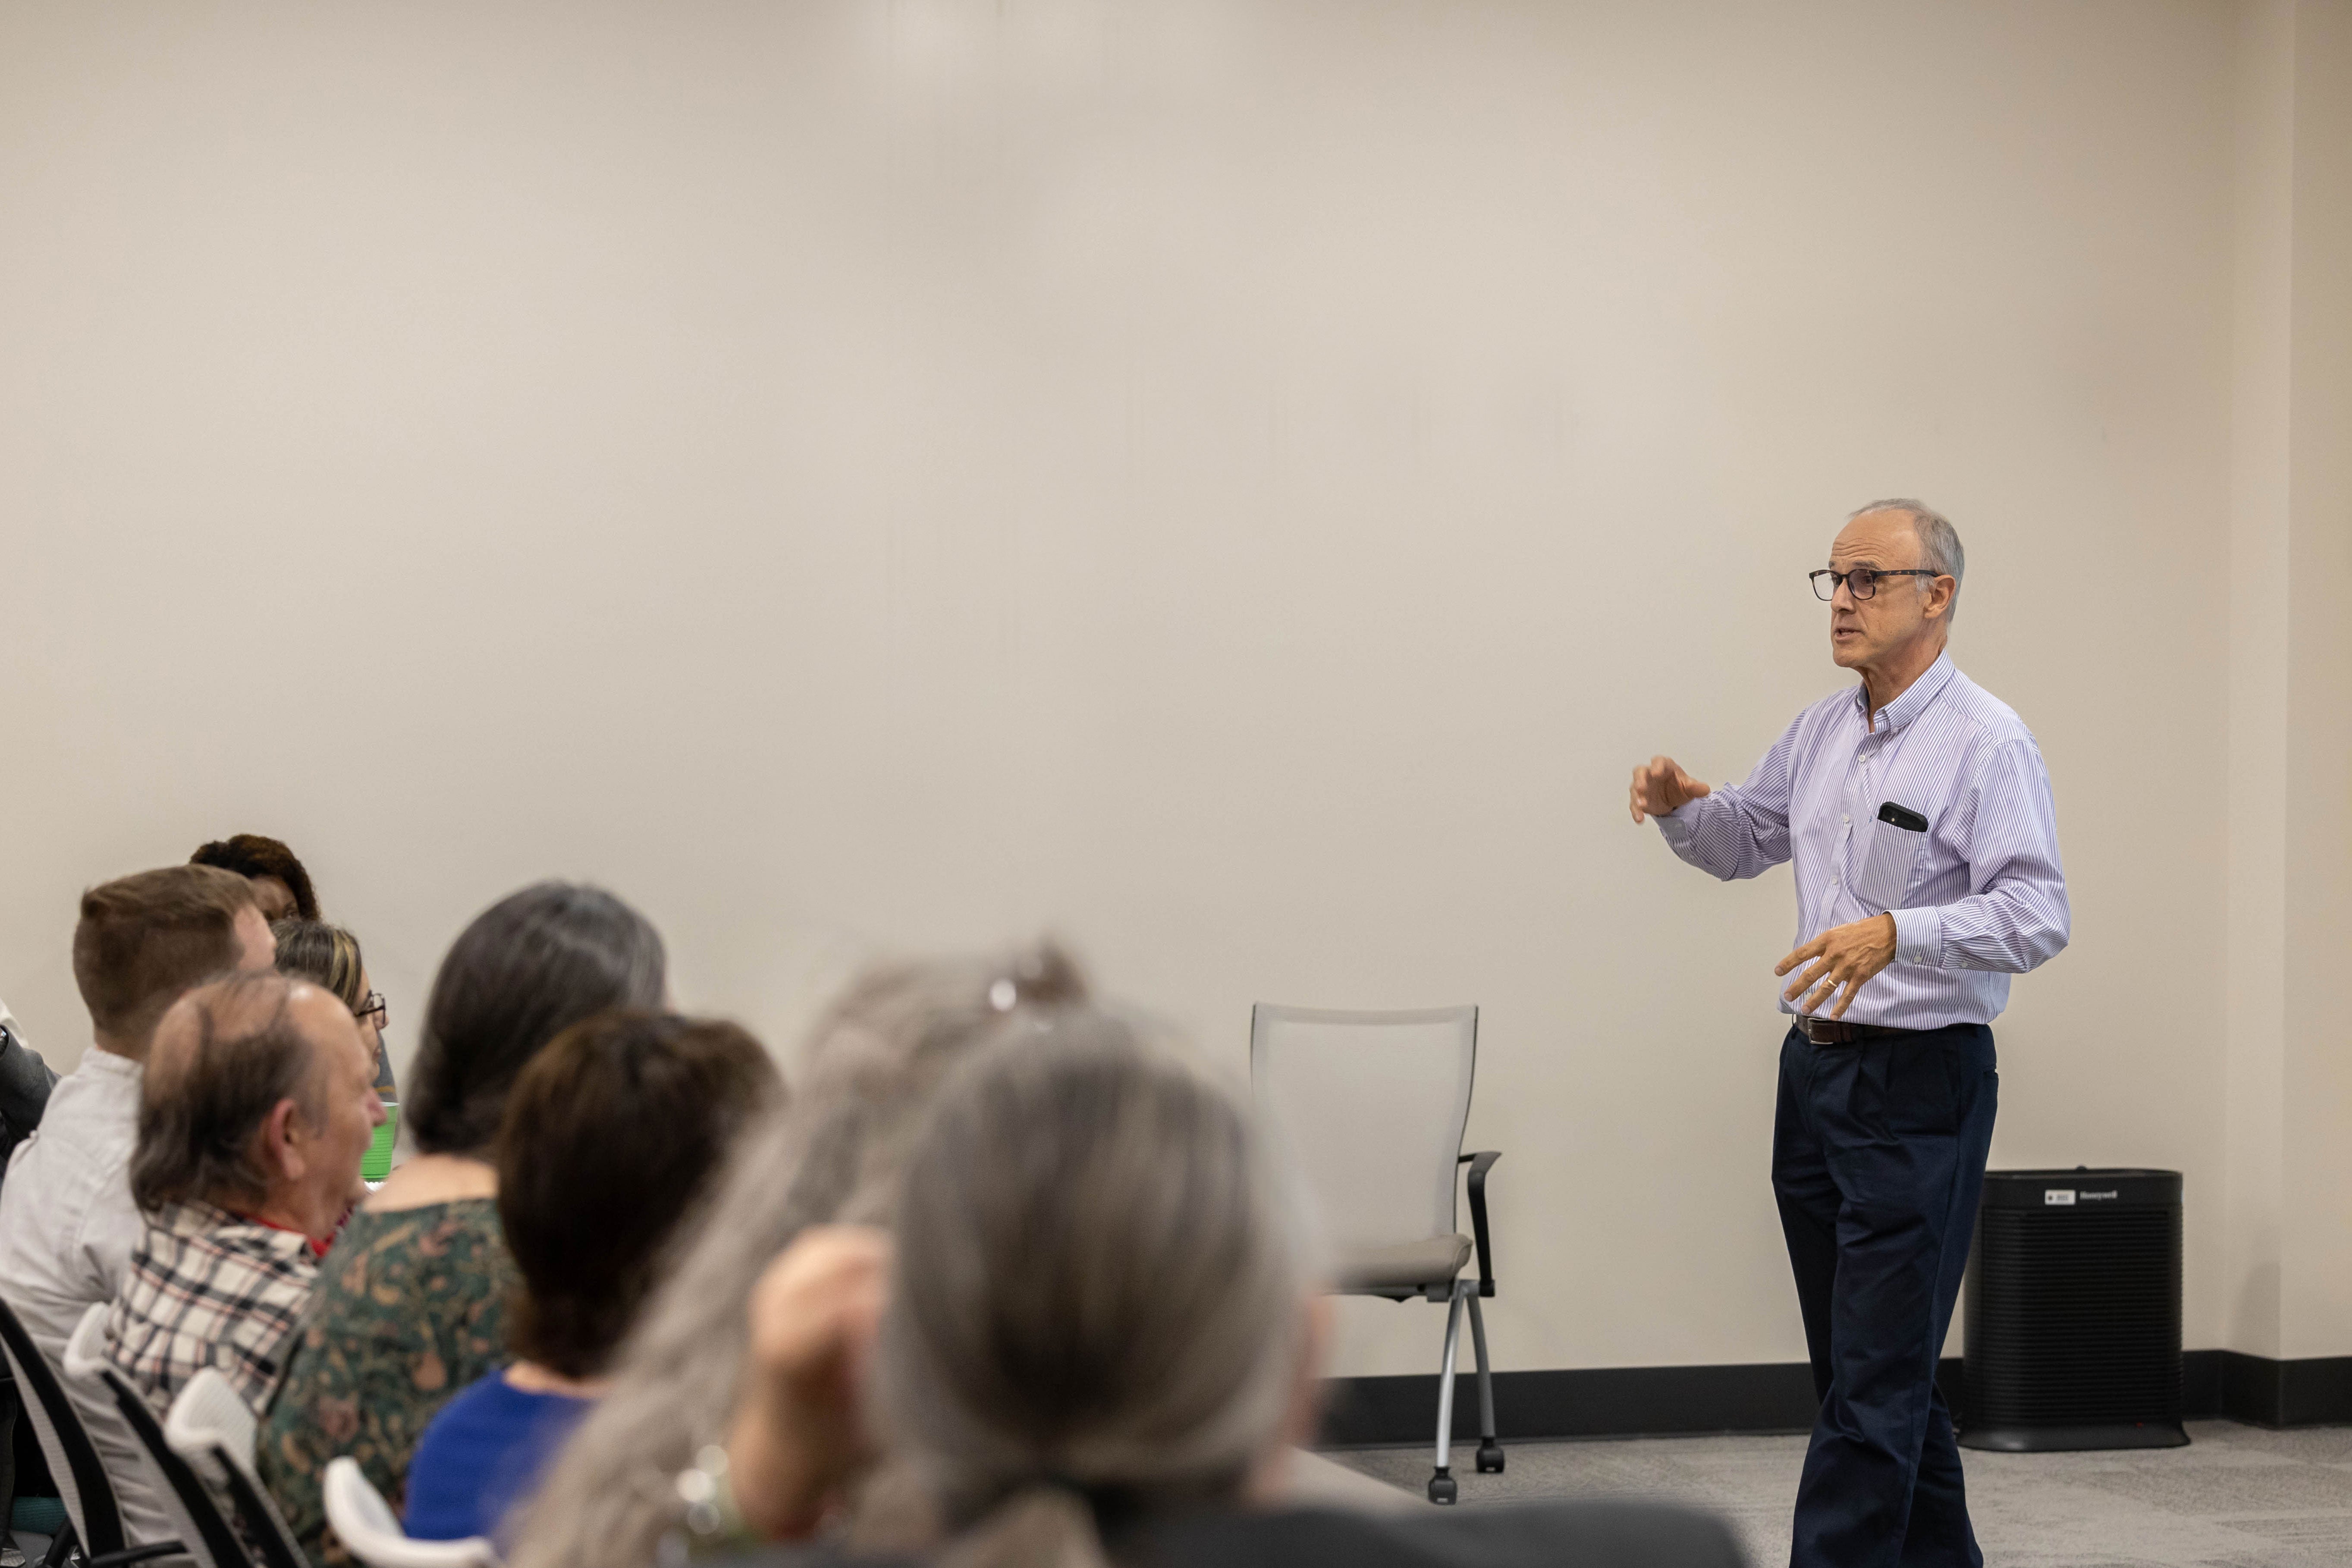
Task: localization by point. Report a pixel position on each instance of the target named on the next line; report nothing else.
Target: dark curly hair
(250, 854)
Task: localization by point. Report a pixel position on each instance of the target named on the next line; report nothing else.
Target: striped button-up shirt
(207, 1288)
(1976, 897)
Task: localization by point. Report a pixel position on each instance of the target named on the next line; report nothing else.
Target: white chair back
(357, 1513)
(1374, 1106)
(211, 1426)
(85, 1356)
(209, 1415)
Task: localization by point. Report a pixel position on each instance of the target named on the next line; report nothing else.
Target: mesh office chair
(211, 1426)
(93, 1521)
(204, 1531)
(1375, 1104)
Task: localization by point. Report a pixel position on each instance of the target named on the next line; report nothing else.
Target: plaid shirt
(209, 1288)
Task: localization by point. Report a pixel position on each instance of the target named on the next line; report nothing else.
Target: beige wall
(1238, 485)
(2315, 1305)
(2288, 1161)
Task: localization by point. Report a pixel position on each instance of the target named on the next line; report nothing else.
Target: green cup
(376, 1163)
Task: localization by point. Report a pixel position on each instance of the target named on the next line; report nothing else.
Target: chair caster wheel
(1442, 1488)
(1490, 1458)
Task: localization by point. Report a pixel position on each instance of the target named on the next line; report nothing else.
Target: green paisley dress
(409, 1308)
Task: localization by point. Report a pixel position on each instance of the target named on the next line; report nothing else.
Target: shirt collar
(1915, 696)
(195, 1217)
(98, 1062)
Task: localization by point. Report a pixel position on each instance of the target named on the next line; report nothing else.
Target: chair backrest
(358, 1514)
(205, 1533)
(73, 1459)
(1374, 1105)
(211, 1426)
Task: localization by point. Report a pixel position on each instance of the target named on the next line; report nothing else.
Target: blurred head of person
(1100, 1311)
(280, 884)
(529, 966)
(143, 940)
(612, 1136)
(258, 1099)
(867, 1073)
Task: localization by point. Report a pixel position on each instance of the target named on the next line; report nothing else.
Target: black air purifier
(2073, 1312)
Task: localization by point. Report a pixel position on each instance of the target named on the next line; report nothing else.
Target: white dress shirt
(1976, 897)
(67, 1229)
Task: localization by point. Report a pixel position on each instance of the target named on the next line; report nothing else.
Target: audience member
(257, 1106)
(869, 1073)
(280, 884)
(25, 1084)
(1093, 1342)
(410, 1305)
(329, 956)
(68, 1224)
(1100, 1291)
(612, 1135)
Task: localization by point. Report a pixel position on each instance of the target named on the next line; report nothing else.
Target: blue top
(482, 1455)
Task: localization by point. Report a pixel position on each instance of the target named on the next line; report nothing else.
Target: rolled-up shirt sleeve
(1739, 830)
(2015, 917)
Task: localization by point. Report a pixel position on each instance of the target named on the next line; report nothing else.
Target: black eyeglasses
(371, 1006)
(1862, 582)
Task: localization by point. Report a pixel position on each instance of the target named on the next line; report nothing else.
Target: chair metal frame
(93, 1517)
(1442, 1487)
(205, 1533)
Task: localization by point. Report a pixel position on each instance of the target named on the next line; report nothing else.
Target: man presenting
(1918, 816)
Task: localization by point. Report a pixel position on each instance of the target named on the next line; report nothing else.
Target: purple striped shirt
(1977, 897)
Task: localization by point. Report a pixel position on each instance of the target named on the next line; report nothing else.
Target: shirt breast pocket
(1890, 858)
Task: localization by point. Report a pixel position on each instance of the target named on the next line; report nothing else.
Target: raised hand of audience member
(797, 1435)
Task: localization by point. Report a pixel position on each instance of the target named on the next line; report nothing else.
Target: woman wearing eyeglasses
(329, 956)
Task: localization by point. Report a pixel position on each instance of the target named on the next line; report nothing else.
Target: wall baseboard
(1768, 1396)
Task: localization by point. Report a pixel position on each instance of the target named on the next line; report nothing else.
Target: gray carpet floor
(2237, 1497)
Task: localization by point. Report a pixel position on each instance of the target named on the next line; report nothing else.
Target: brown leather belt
(1838, 1032)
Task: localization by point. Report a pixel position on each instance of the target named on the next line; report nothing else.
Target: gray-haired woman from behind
(1097, 1342)
(869, 1072)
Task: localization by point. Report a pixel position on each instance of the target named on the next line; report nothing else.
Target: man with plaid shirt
(258, 1101)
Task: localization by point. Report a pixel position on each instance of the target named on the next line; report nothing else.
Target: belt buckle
(1824, 1031)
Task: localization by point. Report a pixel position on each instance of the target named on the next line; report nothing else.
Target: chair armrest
(1480, 1163)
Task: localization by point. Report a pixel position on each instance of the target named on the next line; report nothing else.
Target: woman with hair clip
(1093, 1342)
(868, 1072)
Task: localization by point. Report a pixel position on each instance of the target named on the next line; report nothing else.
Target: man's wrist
(1918, 936)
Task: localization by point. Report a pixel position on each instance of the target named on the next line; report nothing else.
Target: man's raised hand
(1660, 786)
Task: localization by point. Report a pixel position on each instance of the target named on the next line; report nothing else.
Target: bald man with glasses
(1916, 813)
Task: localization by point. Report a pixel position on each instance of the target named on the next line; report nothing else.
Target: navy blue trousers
(1878, 1159)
